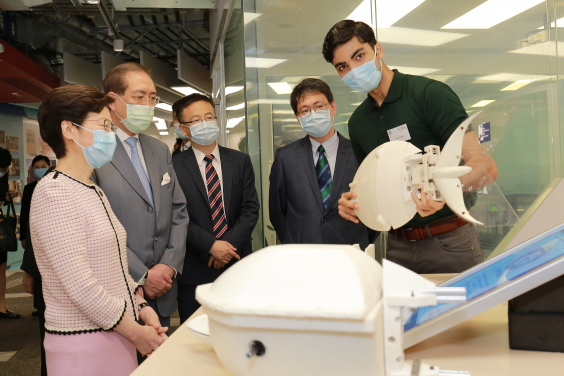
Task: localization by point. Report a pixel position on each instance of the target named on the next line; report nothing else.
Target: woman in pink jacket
(92, 303)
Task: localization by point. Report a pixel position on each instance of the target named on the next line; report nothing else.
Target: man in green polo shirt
(424, 112)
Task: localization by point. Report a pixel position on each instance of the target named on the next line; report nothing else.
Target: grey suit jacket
(147, 244)
(296, 208)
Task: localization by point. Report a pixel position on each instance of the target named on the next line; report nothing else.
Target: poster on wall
(12, 143)
(17, 190)
(15, 168)
(2, 139)
(30, 141)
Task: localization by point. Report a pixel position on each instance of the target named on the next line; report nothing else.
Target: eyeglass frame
(188, 124)
(112, 126)
(306, 115)
(144, 97)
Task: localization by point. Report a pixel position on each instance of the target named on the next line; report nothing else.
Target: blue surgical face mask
(317, 123)
(365, 77)
(39, 172)
(138, 117)
(178, 132)
(102, 150)
(204, 133)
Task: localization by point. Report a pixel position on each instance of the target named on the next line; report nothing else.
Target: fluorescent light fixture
(292, 126)
(491, 13)
(545, 48)
(233, 89)
(269, 101)
(231, 123)
(285, 120)
(297, 79)
(164, 106)
(92, 1)
(388, 12)
(163, 133)
(501, 77)
(416, 37)
(559, 23)
(185, 90)
(282, 112)
(236, 107)
(416, 71)
(517, 85)
(160, 123)
(356, 104)
(280, 87)
(483, 103)
(262, 62)
(248, 16)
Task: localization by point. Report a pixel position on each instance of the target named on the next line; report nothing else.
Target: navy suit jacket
(296, 208)
(241, 210)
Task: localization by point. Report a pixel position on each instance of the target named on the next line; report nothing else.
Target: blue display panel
(500, 271)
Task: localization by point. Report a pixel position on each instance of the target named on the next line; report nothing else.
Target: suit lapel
(122, 163)
(153, 170)
(307, 160)
(194, 171)
(227, 174)
(343, 154)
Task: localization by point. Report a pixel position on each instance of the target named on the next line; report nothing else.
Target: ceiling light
(545, 48)
(233, 89)
(236, 107)
(92, 1)
(163, 133)
(297, 79)
(261, 62)
(356, 104)
(517, 85)
(248, 16)
(491, 13)
(269, 101)
(231, 123)
(160, 123)
(483, 103)
(282, 112)
(118, 45)
(500, 77)
(388, 12)
(185, 90)
(559, 23)
(285, 120)
(164, 106)
(416, 37)
(415, 71)
(280, 87)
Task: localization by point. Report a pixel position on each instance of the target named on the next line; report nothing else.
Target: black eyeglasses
(197, 121)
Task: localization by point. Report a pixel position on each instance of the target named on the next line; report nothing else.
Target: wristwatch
(143, 305)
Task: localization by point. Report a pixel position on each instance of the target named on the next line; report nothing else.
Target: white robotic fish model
(388, 175)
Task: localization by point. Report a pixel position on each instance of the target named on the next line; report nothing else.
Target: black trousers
(187, 303)
(39, 304)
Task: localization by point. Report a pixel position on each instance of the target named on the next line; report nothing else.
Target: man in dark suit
(221, 199)
(308, 176)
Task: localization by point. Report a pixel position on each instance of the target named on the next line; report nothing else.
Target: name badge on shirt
(400, 133)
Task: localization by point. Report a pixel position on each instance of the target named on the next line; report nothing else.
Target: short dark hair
(178, 141)
(5, 158)
(41, 158)
(342, 32)
(72, 103)
(309, 86)
(113, 82)
(179, 106)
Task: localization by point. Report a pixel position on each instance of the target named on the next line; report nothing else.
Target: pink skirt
(89, 354)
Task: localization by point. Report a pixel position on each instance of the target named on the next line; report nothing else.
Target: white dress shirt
(331, 146)
(124, 136)
(216, 163)
(184, 146)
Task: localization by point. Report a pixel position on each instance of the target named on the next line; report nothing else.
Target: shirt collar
(329, 145)
(124, 136)
(394, 93)
(200, 156)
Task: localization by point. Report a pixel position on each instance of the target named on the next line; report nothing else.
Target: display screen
(500, 271)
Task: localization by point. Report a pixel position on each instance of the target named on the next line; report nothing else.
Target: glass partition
(489, 56)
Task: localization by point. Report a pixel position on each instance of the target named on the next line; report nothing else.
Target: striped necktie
(219, 222)
(323, 176)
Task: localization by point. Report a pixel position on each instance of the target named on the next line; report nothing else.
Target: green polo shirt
(429, 108)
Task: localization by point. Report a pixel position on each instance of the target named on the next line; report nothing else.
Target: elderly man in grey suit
(308, 176)
(141, 186)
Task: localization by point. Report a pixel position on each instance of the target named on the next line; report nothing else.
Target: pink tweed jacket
(80, 248)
